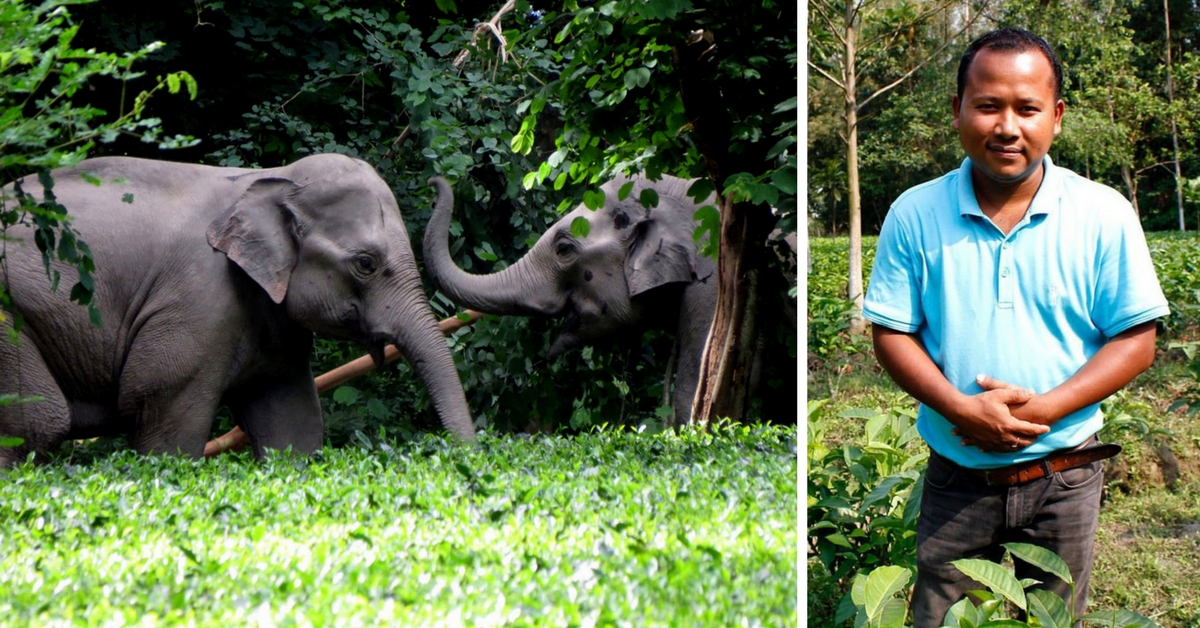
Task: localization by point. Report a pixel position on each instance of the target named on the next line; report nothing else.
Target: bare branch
(883, 90)
(826, 75)
(830, 25)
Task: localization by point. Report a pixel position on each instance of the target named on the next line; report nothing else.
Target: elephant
(636, 269)
(211, 283)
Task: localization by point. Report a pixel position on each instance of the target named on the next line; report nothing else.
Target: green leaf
(993, 576)
(882, 584)
(623, 193)
(1122, 618)
(648, 198)
(447, 6)
(637, 77)
(784, 179)
(1048, 608)
(529, 180)
(346, 395)
(376, 409)
(786, 105)
(1041, 558)
(11, 441)
(127, 198)
(594, 199)
(580, 227)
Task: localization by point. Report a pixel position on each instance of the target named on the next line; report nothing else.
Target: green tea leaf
(993, 576)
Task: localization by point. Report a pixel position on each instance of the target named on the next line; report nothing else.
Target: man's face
(1008, 115)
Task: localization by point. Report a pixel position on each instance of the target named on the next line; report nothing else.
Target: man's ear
(955, 103)
(257, 234)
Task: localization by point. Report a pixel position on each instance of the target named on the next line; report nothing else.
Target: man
(1010, 297)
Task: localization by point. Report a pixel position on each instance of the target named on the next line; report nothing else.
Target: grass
(1146, 546)
(609, 528)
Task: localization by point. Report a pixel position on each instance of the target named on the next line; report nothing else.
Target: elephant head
(601, 283)
(324, 238)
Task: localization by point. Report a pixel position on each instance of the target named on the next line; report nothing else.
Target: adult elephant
(636, 269)
(211, 282)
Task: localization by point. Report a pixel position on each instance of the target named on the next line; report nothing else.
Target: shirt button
(1004, 273)
(1006, 245)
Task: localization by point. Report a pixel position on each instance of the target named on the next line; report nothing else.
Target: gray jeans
(963, 517)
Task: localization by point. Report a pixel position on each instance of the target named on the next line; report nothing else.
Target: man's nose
(1006, 123)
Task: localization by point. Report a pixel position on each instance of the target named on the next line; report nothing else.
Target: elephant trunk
(525, 288)
(424, 346)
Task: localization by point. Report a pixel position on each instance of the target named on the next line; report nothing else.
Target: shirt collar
(1044, 202)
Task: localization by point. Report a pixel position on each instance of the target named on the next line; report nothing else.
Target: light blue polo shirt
(1029, 308)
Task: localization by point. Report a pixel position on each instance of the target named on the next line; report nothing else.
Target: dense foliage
(609, 528)
(42, 69)
(384, 82)
(1119, 103)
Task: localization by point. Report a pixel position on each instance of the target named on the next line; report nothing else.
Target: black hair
(1010, 40)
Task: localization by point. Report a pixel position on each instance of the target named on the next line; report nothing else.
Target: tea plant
(877, 598)
(863, 500)
(607, 528)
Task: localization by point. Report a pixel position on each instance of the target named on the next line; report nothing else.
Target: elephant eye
(564, 248)
(364, 263)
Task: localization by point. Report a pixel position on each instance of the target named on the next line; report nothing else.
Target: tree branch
(826, 75)
(883, 90)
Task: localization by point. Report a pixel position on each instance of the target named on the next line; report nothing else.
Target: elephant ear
(661, 252)
(257, 234)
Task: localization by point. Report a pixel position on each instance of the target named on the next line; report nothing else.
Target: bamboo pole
(237, 440)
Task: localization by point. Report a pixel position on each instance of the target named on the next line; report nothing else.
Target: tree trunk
(854, 283)
(1131, 184)
(1174, 128)
(722, 389)
(728, 355)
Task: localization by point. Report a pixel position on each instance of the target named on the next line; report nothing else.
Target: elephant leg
(176, 420)
(43, 424)
(280, 411)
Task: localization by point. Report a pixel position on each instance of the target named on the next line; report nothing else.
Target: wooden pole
(237, 440)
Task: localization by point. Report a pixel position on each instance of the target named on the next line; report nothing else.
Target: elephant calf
(637, 268)
(211, 282)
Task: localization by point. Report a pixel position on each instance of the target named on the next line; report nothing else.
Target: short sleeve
(893, 293)
(1127, 292)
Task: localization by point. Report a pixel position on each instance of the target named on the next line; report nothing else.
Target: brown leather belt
(1062, 460)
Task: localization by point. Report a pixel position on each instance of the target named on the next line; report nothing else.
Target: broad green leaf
(623, 193)
(894, 612)
(881, 585)
(594, 199)
(11, 441)
(529, 180)
(1041, 558)
(701, 189)
(1122, 618)
(963, 614)
(580, 227)
(1049, 609)
(648, 198)
(345, 395)
(1003, 623)
(993, 576)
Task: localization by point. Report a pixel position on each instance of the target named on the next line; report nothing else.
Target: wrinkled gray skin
(211, 283)
(636, 269)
